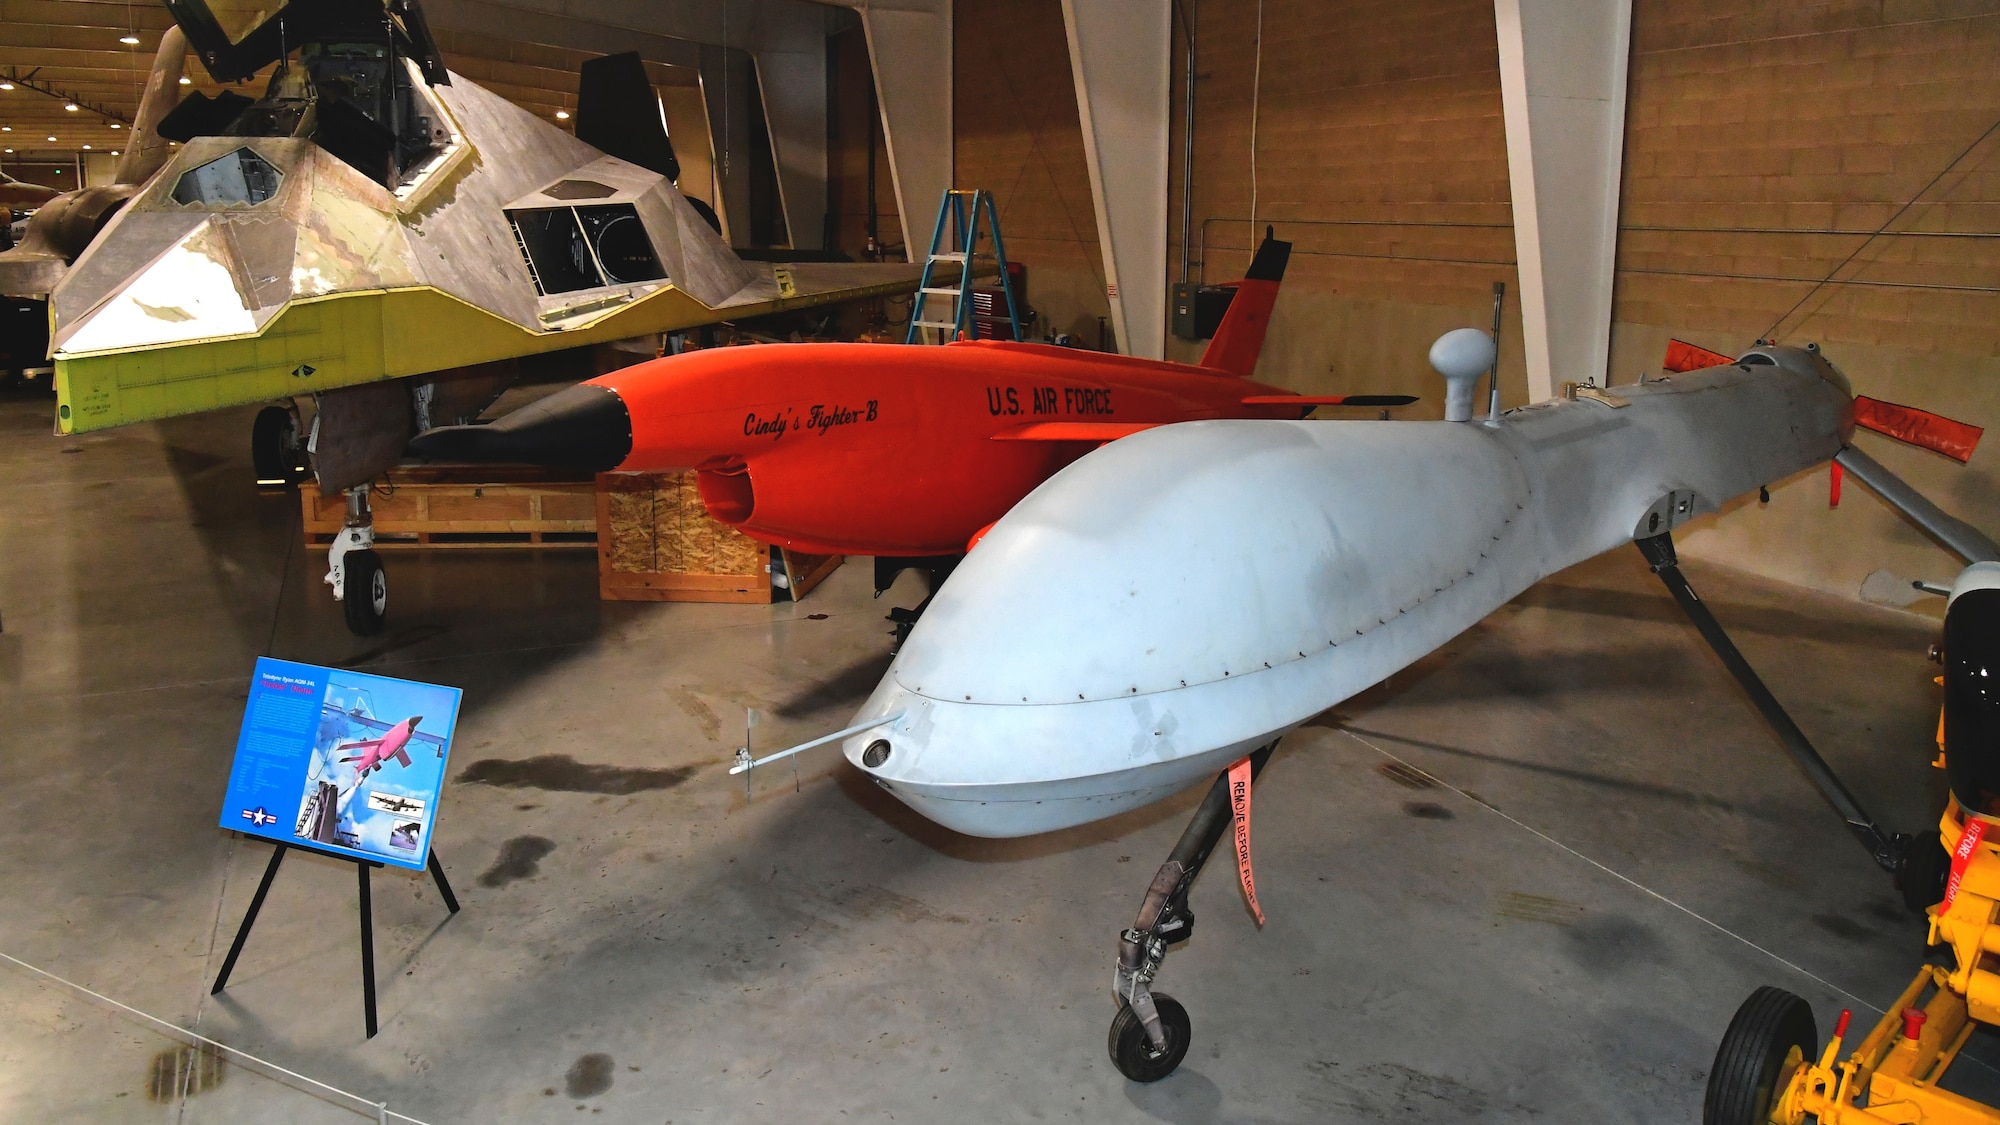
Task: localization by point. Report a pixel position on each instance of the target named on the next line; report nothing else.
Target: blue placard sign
(341, 761)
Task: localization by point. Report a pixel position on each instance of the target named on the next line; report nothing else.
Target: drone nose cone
(582, 427)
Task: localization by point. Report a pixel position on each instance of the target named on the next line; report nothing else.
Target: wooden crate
(657, 543)
(463, 506)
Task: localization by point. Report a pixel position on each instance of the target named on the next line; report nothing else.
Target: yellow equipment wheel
(1770, 1038)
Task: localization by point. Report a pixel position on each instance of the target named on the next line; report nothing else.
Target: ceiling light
(10, 150)
(116, 125)
(86, 146)
(129, 40)
(6, 85)
(114, 152)
(52, 138)
(562, 115)
(6, 128)
(72, 107)
(186, 81)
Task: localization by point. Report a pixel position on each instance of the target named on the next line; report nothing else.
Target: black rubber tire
(1755, 1058)
(364, 592)
(274, 445)
(1132, 1053)
(1924, 871)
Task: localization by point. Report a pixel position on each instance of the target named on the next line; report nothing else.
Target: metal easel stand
(361, 867)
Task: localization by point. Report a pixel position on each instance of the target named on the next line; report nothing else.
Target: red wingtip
(1920, 428)
(1683, 356)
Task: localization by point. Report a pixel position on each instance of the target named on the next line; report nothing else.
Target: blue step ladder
(956, 239)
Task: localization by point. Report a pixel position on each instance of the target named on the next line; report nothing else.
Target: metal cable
(1256, 88)
(1771, 332)
(379, 1110)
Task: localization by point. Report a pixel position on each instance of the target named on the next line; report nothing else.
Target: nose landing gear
(1150, 1035)
(354, 568)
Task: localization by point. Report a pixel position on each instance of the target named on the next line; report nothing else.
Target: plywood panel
(660, 544)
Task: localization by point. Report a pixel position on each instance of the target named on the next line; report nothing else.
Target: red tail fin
(1241, 335)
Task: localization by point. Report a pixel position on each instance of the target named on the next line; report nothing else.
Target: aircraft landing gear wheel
(274, 447)
(1925, 868)
(1133, 1054)
(365, 596)
(1770, 1038)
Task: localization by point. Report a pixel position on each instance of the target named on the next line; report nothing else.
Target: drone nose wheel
(1134, 1055)
(1149, 1036)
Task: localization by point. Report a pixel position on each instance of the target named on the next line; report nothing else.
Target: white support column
(909, 49)
(1563, 67)
(793, 87)
(1118, 54)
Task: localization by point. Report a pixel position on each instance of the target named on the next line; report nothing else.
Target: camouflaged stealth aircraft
(385, 237)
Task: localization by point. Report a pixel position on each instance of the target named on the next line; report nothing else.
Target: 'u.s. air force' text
(1071, 400)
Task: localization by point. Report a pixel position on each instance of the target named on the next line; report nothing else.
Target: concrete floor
(1613, 854)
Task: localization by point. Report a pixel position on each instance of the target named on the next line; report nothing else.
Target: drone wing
(1328, 400)
(364, 746)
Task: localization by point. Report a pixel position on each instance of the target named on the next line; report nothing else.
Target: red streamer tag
(1920, 428)
(1833, 489)
(1683, 356)
(1239, 807)
(1961, 858)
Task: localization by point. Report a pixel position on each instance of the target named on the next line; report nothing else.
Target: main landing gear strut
(1149, 1036)
(1889, 850)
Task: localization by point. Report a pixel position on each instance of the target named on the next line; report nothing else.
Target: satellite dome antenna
(1461, 355)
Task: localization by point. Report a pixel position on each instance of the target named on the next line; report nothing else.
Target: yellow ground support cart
(1770, 1068)
(1768, 1071)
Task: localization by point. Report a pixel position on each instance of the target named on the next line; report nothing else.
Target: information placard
(341, 761)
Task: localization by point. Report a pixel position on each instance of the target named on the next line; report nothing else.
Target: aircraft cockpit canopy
(237, 18)
(1972, 700)
(357, 87)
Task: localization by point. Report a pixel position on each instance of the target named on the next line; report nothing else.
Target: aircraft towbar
(744, 763)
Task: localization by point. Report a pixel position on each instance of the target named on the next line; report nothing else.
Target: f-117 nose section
(582, 427)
